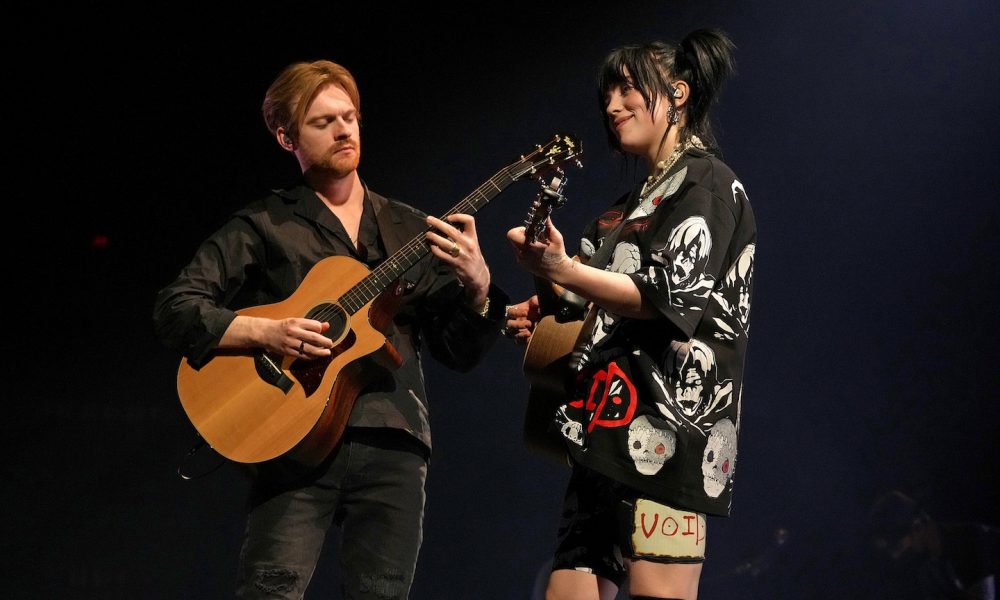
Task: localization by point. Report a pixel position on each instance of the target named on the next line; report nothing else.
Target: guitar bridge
(271, 373)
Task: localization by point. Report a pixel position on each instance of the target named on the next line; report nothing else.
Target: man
(372, 485)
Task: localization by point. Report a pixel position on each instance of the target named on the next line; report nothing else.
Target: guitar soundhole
(332, 314)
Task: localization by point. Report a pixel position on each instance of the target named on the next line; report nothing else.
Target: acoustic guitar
(548, 356)
(253, 406)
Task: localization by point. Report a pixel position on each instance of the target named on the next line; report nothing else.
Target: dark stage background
(865, 133)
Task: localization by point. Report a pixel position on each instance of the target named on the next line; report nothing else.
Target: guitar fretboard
(410, 254)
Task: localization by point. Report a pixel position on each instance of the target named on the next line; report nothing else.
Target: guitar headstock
(549, 157)
(549, 198)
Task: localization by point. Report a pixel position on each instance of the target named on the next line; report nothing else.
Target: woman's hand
(521, 320)
(545, 258)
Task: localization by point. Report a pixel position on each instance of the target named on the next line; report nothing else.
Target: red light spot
(100, 241)
(616, 399)
(660, 449)
(656, 201)
(725, 467)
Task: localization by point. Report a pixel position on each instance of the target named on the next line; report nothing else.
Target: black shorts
(605, 522)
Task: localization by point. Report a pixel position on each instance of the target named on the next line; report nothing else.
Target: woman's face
(638, 130)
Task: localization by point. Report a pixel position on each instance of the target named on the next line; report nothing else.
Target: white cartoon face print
(691, 388)
(684, 259)
(693, 376)
(688, 248)
(650, 446)
(719, 458)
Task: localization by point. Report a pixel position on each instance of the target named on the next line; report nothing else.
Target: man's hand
(295, 336)
(459, 247)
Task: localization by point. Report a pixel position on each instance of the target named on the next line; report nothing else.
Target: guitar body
(547, 367)
(251, 406)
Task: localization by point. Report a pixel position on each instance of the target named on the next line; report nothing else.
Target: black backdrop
(866, 135)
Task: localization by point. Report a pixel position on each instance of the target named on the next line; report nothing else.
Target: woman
(652, 418)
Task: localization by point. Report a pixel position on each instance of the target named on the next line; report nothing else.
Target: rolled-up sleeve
(190, 314)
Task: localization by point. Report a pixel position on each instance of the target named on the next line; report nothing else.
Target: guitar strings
(413, 250)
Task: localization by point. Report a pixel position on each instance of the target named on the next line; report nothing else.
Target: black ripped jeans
(372, 489)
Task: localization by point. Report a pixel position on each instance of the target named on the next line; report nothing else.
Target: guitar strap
(390, 230)
(389, 223)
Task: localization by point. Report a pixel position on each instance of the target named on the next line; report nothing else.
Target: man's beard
(338, 165)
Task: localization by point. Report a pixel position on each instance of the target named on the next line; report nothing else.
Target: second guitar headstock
(549, 198)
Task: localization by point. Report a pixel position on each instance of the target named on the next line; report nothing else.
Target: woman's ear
(681, 92)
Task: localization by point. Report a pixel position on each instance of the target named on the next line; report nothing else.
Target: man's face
(330, 136)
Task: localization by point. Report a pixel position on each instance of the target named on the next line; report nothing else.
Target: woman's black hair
(704, 59)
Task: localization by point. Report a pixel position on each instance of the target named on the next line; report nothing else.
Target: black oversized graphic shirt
(657, 402)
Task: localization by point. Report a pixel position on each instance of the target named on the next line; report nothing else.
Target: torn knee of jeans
(275, 580)
(387, 584)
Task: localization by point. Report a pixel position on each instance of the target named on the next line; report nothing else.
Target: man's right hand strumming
(295, 336)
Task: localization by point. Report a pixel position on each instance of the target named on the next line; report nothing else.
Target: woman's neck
(665, 148)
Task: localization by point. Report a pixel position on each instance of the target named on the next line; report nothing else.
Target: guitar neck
(410, 254)
(548, 295)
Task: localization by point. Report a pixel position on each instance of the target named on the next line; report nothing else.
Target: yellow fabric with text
(666, 534)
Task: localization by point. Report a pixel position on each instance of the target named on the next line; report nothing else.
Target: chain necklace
(663, 166)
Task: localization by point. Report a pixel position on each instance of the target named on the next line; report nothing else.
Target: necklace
(664, 165)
